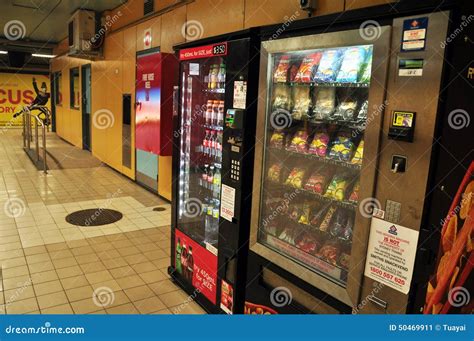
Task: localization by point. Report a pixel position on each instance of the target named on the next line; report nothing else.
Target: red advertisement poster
(197, 265)
(450, 286)
(227, 297)
(148, 97)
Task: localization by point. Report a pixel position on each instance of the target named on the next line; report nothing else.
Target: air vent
(148, 7)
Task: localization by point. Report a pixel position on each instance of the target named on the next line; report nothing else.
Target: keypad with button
(235, 170)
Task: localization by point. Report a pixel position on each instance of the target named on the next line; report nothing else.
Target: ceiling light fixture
(3, 52)
(43, 55)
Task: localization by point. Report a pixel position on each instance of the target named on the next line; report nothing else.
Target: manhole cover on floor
(94, 217)
(159, 209)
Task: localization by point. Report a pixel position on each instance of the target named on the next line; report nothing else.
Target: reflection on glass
(315, 122)
(202, 120)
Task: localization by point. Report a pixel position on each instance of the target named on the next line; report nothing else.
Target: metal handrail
(27, 133)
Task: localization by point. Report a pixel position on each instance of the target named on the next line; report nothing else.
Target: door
(320, 110)
(86, 106)
(147, 122)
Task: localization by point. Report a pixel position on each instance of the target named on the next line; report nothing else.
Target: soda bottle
(190, 264)
(204, 176)
(217, 183)
(209, 112)
(215, 112)
(219, 147)
(214, 72)
(220, 114)
(209, 221)
(178, 257)
(205, 143)
(210, 177)
(210, 144)
(209, 77)
(215, 228)
(221, 76)
(184, 260)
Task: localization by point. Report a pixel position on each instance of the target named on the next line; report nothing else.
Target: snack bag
(295, 179)
(299, 142)
(344, 260)
(274, 172)
(354, 196)
(317, 215)
(316, 182)
(304, 218)
(367, 73)
(329, 66)
(327, 219)
(330, 252)
(337, 188)
(288, 235)
(342, 148)
(352, 62)
(302, 103)
(359, 154)
(277, 140)
(362, 115)
(293, 72)
(325, 103)
(308, 243)
(347, 234)
(319, 144)
(281, 97)
(281, 72)
(346, 110)
(308, 68)
(338, 223)
(294, 212)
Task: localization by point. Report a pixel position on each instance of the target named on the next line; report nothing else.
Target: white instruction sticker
(194, 69)
(227, 202)
(240, 94)
(391, 254)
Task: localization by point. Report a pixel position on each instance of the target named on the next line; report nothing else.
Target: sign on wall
(16, 91)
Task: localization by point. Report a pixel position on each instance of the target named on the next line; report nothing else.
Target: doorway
(86, 106)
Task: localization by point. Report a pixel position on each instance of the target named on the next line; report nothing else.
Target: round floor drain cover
(94, 217)
(159, 209)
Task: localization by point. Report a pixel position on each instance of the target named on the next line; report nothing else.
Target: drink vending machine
(214, 129)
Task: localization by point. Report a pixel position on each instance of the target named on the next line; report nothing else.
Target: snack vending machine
(342, 162)
(213, 139)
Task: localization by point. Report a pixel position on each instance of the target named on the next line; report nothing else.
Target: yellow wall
(115, 74)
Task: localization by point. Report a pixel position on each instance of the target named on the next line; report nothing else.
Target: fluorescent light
(43, 55)
(3, 52)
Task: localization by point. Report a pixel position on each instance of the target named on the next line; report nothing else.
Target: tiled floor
(49, 266)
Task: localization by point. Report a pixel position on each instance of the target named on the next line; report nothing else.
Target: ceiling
(46, 20)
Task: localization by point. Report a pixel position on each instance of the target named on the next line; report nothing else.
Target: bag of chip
(367, 73)
(359, 154)
(302, 103)
(354, 196)
(337, 188)
(342, 147)
(299, 142)
(325, 103)
(352, 63)
(308, 68)
(324, 226)
(304, 218)
(277, 140)
(346, 110)
(281, 71)
(330, 252)
(319, 144)
(347, 234)
(295, 179)
(281, 98)
(329, 66)
(316, 182)
(338, 223)
(274, 172)
(362, 114)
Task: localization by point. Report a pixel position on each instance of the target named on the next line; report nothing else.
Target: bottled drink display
(201, 134)
(315, 122)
